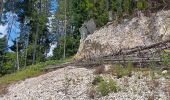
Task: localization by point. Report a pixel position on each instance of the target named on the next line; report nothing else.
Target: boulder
(164, 72)
(87, 28)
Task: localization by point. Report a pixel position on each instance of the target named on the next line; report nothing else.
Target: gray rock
(139, 31)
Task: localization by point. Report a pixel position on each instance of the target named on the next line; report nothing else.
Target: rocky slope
(52, 86)
(73, 83)
(138, 31)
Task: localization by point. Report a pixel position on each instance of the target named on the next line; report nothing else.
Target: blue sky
(12, 19)
(11, 27)
(3, 30)
(53, 6)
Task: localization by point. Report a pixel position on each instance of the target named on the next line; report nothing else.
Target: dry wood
(140, 54)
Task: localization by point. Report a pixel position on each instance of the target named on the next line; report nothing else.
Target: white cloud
(3, 30)
(52, 47)
(50, 22)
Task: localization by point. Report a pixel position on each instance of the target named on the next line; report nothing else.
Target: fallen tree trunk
(140, 54)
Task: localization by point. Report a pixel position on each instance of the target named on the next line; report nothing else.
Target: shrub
(152, 68)
(142, 4)
(103, 88)
(165, 57)
(97, 80)
(122, 71)
(119, 71)
(129, 69)
(113, 85)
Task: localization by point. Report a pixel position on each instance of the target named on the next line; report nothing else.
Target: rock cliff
(138, 31)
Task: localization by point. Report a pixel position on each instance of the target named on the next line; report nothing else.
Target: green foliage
(22, 74)
(152, 64)
(99, 13)
(82, 10)
(119, 70)
(7, 62)
(127, 6)
(152, 68)
(29, 71)
(119, 8)
(71, 47)
(2, 45)
(8, 65)
(123, 71)
(104, 87)
(97, 80)
(2, 50)
(129, 68)
(142, 4)
(79, 11)
(139, 4)
(33, 20)
(165, 56)
(112, 85)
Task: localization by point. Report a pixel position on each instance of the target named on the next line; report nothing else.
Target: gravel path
(72, 83)
(52, 86)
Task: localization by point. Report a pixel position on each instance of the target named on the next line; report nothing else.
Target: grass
(123, 71)
(113, 85)
(165, 55)
(30, 71)
(119, 70)
(97, 80)
(103, 86)
(107, 86)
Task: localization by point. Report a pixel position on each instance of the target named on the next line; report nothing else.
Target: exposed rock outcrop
(138, 31)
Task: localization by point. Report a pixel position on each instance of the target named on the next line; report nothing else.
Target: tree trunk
(35, 43)
(17, 55)
(65, 29)
(26, 51)
(36, 35)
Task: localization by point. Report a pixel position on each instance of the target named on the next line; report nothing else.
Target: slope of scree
(139, 31)
(72, 83)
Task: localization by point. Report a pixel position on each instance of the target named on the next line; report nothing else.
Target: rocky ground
(73, 83)
(138, 31)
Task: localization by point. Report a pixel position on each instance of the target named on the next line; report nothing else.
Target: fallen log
(122, 56)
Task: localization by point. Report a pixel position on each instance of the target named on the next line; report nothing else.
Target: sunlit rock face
(138, 31)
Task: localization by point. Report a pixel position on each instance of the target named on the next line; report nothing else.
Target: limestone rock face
(138, 31)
